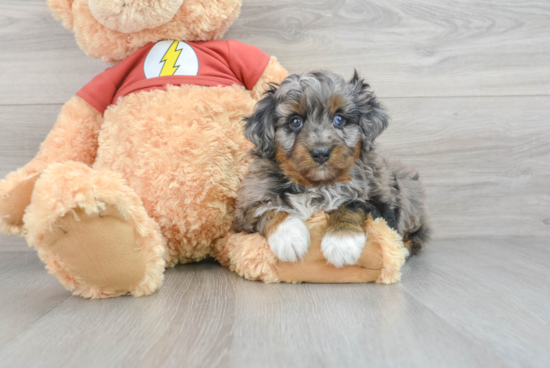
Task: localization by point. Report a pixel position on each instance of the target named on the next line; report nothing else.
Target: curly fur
(64, 187)
(196, 20)
(129, 16)
(185, 163)
(283, 178)
(249, 256)
(171, 160)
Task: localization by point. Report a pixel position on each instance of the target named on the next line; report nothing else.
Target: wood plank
(420, 48)
(494, 291)
(28, 293)
(205, 316)
(423, 48)
(345, 326)
(485, 162)
(477, 302)
(41, 62)
(189, 320)
(14, 244)
(22, 129)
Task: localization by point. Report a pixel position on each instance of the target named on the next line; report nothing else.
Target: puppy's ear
(260, 126)
(373, 117)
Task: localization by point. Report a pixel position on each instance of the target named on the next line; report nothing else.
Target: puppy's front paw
(342, 249)
(290, 241)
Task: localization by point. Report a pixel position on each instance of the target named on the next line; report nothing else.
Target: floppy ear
(260, 126)
(62, 10)
(374, 119)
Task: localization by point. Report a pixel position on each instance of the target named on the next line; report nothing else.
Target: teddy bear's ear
(62, 10)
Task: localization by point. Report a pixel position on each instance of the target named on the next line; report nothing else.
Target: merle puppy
(314, 151)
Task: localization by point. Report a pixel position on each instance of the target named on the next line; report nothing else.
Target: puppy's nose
(320, 155)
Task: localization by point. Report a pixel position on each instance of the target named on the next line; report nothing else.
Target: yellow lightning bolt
(170, 59)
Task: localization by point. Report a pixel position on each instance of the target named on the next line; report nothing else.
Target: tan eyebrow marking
(334, 103)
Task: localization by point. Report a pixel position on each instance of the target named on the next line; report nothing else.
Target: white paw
(341, 250)
(290, 241)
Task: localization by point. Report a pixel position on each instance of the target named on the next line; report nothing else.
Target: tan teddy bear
(142, 167)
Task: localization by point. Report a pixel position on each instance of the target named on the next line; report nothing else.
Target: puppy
(314, 151)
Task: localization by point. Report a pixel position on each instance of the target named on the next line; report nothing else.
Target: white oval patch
(171, 58)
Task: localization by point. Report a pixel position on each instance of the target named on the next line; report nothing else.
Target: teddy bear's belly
(183, 152)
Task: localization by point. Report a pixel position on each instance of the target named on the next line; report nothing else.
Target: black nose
(320, 155)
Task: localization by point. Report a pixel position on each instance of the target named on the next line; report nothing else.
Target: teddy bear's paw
(99, 250)
(13, 205)
(343, 249)
(290, 241)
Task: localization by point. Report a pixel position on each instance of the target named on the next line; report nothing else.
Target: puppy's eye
(339, 121)
(296, 123)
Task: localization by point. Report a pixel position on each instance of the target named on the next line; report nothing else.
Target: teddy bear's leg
(250, 256)
(13, 204)
(93, 232)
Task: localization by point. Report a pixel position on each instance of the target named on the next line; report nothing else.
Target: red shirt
(208, 63)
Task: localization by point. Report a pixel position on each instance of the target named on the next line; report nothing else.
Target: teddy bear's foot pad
(315, 269)
(13, 205)
(99, 249)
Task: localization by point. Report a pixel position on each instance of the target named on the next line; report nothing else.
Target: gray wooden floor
(468, 86)
(463, 303)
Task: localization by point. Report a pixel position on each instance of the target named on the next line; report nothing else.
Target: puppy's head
(316, 125)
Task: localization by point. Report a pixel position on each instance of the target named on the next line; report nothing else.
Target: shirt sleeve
(247, 62)
(99, 92)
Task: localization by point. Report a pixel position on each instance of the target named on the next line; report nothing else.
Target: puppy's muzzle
(321, 155)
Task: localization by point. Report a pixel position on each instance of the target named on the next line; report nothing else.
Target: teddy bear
(142, 167)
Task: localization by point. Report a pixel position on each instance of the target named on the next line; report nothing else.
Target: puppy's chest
(312, 200)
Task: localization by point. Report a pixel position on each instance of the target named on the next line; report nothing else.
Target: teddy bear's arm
(73, 137)
(274, 73)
